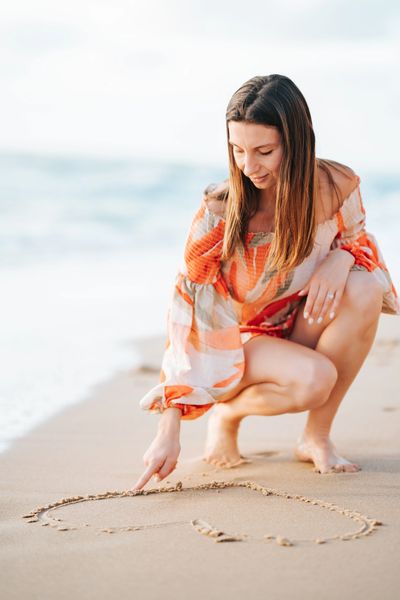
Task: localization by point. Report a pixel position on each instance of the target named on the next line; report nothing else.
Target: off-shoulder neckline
(322, 224)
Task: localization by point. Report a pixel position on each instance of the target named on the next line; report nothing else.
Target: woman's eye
(238, 151)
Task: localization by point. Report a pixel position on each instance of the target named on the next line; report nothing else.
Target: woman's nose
(250, 166)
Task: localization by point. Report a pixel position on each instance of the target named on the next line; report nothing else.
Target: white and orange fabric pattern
(217, 306)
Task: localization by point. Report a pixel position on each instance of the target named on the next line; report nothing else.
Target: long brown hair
(275, 100)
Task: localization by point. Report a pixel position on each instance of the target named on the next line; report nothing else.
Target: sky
(152, 79)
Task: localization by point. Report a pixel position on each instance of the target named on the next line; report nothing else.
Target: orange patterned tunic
(217, 306)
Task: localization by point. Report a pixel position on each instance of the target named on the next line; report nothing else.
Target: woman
(277, 303)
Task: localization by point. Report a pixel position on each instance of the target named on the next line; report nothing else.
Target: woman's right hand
(162, 455)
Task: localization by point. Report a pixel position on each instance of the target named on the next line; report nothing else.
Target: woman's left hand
(326, 286)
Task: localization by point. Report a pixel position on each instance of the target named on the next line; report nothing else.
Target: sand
(71, 527)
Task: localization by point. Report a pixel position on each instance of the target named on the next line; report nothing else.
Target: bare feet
(221, 444)
(323, 454)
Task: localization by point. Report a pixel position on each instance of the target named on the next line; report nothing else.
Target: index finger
(144, 478)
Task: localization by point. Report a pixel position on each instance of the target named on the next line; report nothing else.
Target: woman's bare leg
(293, 379)
(347, 341)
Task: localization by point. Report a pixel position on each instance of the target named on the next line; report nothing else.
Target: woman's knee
(313, 388)
(363, 293)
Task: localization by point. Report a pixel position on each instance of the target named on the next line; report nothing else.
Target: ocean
(89, 249)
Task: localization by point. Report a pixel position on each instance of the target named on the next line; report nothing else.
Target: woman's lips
(258, 179)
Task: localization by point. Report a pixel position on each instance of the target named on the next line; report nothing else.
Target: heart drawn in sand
(366, 524)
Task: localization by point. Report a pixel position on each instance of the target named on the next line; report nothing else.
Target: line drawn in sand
(366, 525)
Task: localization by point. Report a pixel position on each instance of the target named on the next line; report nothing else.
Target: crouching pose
(277, 301)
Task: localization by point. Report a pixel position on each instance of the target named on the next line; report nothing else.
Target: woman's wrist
(343, 252)
(170, 419)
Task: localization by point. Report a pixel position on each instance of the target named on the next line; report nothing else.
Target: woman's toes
(234, 464)
(346, 468)
(352, 468)
(244, 460)
(228, 464)
(337, 468)
(323, 470)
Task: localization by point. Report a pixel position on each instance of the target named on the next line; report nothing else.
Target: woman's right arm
(203, 357)
(162, 455)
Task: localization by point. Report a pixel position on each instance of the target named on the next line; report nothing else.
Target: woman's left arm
(353, 248)
(350, 247)
(329, 278)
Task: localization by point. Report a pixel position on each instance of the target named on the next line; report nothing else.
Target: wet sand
(71, 528)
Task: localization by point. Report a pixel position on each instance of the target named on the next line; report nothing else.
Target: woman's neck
(267, 200)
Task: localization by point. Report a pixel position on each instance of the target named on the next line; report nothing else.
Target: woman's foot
(221, 445)
(323, 454)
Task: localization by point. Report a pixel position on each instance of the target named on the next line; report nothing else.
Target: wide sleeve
(353, 237)
(203, 357)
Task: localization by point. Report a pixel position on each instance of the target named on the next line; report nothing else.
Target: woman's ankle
(228, 414)
(315, 434)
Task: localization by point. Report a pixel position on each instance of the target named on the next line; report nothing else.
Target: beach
(117, 122)
(151, 544)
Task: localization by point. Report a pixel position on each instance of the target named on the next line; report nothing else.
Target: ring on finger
(330, 295)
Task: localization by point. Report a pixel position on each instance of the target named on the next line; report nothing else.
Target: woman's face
(257, 150)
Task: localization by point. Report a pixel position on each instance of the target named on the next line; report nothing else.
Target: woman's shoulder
(215, 196)
(336, 181)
